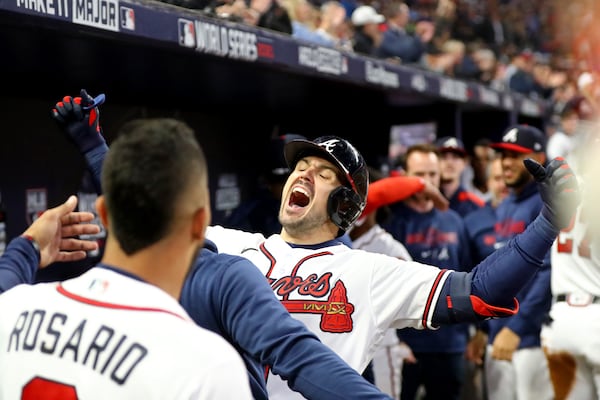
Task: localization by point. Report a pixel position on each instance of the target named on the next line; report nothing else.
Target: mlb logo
(127, 18)
(187, 33)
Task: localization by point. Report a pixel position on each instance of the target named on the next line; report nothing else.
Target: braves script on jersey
(349, 298)
(105, 335)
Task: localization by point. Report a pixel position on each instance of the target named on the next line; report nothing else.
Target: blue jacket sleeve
(18, 264)
(94, 158)
(500, 277)
(489, 290)
(257, 324)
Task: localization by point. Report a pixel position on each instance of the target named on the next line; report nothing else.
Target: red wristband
(35, 245)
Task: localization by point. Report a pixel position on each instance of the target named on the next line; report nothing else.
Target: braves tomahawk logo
(336, 311)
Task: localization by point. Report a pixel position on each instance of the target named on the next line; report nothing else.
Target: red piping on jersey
(430, 298)
(97, 303)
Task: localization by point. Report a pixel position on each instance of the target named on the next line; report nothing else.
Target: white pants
(526, 377)
(572, 345)
(387, 364)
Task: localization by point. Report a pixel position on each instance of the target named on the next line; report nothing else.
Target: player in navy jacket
(437, 238)
(453, 161)
(480, 224)
(516, 365)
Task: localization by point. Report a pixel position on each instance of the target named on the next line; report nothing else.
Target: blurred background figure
(259, 213)
(367, 35)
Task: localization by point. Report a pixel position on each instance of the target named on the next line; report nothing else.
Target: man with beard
(515, 364)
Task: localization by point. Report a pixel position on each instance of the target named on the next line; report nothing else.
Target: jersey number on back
(44, 389)
(565, 242)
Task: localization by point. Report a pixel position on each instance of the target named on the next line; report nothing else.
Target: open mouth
(299, 198)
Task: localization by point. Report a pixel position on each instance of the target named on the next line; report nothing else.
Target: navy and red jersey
(480, 226)
(514, 214)
(465, 202)
(436, 238)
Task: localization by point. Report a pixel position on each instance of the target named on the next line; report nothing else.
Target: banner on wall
(36, 202)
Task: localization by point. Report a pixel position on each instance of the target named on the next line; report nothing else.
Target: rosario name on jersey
(105, 335)
(348, 298)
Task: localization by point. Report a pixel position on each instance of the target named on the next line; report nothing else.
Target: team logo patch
(187, 33)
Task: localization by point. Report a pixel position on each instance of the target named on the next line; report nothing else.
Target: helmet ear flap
(344, 206)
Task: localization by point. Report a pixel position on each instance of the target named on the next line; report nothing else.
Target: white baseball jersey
(573, 269)
(349, 298)
(105, 335)
(388, 357)
(575, 328)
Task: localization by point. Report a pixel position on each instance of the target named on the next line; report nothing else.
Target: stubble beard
(301, 225)
(523, 178)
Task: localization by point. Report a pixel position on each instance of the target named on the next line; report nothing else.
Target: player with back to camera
(571, 340)
(228, 295)
(117, 330)
(348, 297)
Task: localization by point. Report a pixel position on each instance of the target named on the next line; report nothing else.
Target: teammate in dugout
(117, 331)
(349, 298)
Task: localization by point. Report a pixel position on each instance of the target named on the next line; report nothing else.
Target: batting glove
(558, 188)
(81, 125)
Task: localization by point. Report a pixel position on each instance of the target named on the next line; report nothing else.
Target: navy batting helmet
(346, 202)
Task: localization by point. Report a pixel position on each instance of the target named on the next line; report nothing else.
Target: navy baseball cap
(449, 144)
(522, 139)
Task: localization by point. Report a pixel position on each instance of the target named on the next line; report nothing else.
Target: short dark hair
(417, 148)
(151, 164)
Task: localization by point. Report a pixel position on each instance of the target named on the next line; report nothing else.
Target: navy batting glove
(558, 188)
(81, 125)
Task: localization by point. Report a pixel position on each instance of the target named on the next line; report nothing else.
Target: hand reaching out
(56, 231)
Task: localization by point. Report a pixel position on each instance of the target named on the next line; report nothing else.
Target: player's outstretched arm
(79, 119)
(245, 312)
(51, 238)
(489, 289)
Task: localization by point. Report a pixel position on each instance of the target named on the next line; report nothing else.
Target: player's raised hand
(558, 188)
(79, 118)
(56, 231)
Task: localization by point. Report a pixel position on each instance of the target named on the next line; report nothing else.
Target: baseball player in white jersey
(572, 340)
(350, 297)
(117, 331)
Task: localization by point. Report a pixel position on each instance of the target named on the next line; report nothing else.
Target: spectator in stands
(305, 19)
(331, 23)
(367, 35)
(453, 161)
(268, 14)
(397, 43)
(437, 238)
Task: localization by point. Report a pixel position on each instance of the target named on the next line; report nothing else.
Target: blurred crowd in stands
(546, 49)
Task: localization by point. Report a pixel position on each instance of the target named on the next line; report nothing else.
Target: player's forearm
(18, 264)
(95, 158)
(498, 278)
